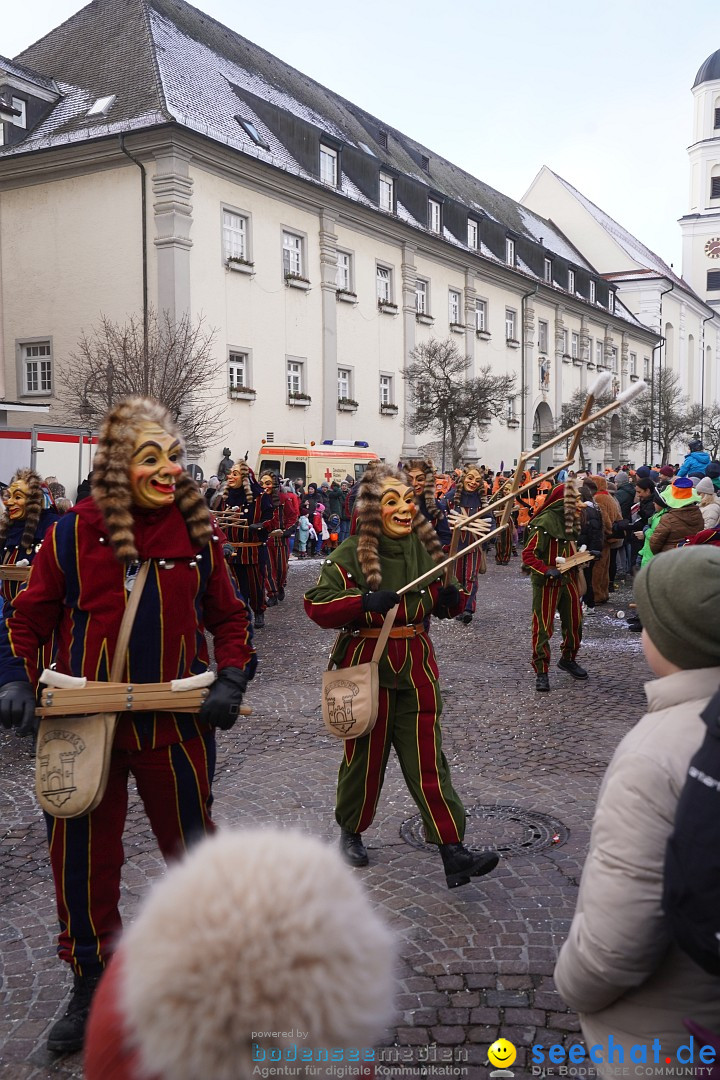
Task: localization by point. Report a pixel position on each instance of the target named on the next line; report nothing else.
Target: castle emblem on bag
(56, 757)
(338, 700)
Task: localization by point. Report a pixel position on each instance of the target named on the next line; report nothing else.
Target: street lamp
(646, 435)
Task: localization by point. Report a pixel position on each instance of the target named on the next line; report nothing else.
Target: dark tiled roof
(13, 68)
(709, 71)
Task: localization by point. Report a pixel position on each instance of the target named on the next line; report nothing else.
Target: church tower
(701, 226)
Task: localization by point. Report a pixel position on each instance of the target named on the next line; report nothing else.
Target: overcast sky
(598, 92)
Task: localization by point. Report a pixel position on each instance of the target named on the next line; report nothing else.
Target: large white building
(152, 157)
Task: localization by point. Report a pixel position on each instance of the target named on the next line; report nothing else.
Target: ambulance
(318, 463)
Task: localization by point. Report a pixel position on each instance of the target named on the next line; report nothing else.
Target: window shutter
(713, 281)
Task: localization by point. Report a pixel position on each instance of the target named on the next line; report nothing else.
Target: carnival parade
(359, 542)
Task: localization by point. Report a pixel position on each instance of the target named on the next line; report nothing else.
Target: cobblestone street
(474, 963)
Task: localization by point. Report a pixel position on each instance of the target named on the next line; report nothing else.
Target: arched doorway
(542, 431)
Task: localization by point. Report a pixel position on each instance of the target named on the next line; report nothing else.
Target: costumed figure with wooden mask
(28, 514)
(392, 546)
(243, 510)
(278, 553)
(466, 498)
(424, 483)
(553, 534)
(146, 514)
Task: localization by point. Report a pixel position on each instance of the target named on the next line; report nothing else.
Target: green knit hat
(678, 601)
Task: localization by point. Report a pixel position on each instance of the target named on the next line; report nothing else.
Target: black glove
(448, 597)
(380, 601)
(553, 574)
(222, 704)
(17, 707)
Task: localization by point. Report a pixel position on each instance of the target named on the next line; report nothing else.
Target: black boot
(572, 668)
(259, 621)
(542, 682)
(352, 848)
(281, 594)
(272, 601)
(461, 864)
(68, 1033)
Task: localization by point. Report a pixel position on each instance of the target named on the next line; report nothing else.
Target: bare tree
(711, 430)
(666, 413)
(179, 368)
(595, 434)
(446, 402)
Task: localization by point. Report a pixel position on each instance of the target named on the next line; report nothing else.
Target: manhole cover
(512, 830)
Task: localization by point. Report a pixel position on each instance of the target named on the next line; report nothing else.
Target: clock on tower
(712, 248)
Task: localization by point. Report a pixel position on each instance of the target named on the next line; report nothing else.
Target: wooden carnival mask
(235, 477)
(15, 499)
(417, 479)
(472, 480)
(155, 465)
(397, 507)
(267, 484)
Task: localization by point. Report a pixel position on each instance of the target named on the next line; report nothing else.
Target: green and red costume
(77, 591)
(549, 537)
(410, 703)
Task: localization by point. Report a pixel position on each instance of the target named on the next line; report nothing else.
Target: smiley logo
(502, 1054)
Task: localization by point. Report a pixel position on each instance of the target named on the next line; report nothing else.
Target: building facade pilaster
(471, 451)
(172, 190)
(408, 270)
(328, 299)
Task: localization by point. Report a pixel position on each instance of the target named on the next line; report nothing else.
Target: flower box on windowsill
(484, 335)
(514, 423)
(297, 281)
(346, 296)
(242, 393)
(389, 410)
(347, 404)
(457, 328)
(512, 343)
(426, 320)
(295, 397)
(634, 378)
(386, 307)
(243, 266)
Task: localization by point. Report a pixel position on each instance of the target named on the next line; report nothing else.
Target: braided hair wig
(426, 466)
(34, 507)
(571, 507)
(275, 491)
(369, 522)
(111, 479)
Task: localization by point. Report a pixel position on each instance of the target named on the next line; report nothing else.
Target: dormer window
(102, 106)
(434, 215)
(548, 271)
(328, 165)
(509, 251)
(592, 292)
(425, 163)
(383, 139)
(571, 281)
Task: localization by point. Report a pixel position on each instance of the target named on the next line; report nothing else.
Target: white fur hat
(255, 931)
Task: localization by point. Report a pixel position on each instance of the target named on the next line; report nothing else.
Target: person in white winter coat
(619, 968)
(709, 503)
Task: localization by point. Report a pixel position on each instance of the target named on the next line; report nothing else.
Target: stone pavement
(475, 963)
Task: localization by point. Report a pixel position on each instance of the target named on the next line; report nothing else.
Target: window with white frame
(592, 292)
(646, 367)
(383, 284)
(633, 363)
(611, 300)
(564, 342)
(614, 360)
(387, 193)
(547, 270)
(295, 376)
(36, 367)
(542, 336)
(571, 281)
(422, 296)
(344, 273)
(328, 165)
(454, 306)
(510, 409)
(386, 390)
(574, 345)
(510, 324)
(509, 251)
(292, 254)
(481, 315)
(238, 370)
(344, 383)
(434, 215)
(472, 234)
(235, 235)
(20, 106)
(600, 352)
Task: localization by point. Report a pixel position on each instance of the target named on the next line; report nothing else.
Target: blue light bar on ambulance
(343, 442)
